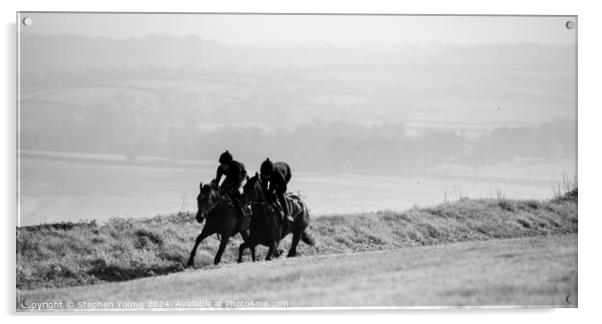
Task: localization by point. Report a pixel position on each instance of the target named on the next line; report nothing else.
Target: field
(413, 247)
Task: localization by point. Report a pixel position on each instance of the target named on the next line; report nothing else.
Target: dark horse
(266, 227)
(222, 218)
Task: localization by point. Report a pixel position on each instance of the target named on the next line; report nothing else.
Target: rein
(259, 203)
(217, 201)
(213, 205)
(254, 202)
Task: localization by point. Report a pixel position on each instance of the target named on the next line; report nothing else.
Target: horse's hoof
(189, 264)
(291, 255)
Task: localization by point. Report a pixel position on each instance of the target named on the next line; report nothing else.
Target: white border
(589, 133)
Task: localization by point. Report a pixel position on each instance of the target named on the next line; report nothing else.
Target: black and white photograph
(237, 161)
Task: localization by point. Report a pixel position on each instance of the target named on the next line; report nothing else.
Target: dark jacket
(279, 178)
(234, 174)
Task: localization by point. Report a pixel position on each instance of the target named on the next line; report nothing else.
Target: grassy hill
(72, 254)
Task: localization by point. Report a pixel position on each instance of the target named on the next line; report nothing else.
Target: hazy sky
(315, 29)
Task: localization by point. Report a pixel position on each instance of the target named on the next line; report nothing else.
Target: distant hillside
(188, 97)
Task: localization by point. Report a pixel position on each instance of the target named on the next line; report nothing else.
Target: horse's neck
(220, 204)
(221, 210)
(260, 195)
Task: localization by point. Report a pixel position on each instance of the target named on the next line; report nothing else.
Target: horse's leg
(244, 245)
(241, 249)
(278, 251)
(220, 250)
(293, 251)
(252, 247)
(271, 251)
(244, 235)
(247, 243)
(204, 234)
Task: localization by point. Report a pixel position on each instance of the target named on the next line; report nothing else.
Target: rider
(235, 176)
(278, 175)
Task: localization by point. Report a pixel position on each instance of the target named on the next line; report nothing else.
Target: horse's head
(206, 200)
(252, 190)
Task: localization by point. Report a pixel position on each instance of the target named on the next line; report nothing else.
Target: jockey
(278, 175)
(235, 176)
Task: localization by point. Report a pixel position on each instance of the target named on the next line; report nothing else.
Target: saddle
(293, 201)
(295, 206)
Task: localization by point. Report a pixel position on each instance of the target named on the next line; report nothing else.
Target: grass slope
(539, 271)
(68, 254)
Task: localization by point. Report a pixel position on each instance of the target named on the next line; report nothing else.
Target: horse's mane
(207, 187)
(254, 178)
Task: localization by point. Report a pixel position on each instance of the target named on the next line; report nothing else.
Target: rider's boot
(238, 202)
(287, 214)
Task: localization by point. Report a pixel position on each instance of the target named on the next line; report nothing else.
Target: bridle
(257, 183)
(215, 202)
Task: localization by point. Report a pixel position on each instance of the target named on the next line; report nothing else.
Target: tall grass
(565, 187)
(69, 254)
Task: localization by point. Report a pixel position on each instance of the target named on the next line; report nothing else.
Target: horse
(266, 228)
(222, 217)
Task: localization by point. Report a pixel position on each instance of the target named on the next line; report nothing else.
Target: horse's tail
(308, 238)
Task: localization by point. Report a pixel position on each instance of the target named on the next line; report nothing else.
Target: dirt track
(530, 271)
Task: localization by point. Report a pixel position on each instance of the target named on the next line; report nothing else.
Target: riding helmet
(226, 157)
(267, 167)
